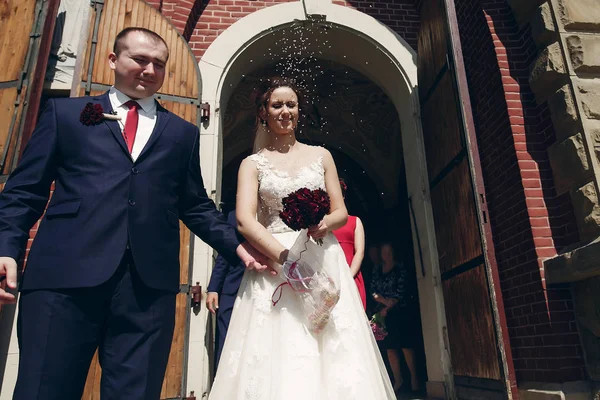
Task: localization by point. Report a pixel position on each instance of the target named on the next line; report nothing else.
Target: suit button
(134, 170)
(131, 202)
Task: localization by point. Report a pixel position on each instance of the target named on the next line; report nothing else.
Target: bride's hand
(319, 231)
(253, 259)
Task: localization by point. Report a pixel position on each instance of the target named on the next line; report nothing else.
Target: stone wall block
(580, 14)
(589, 90)
(543, 28)
(563, 110)
(593, 129)
(584, 52)
(575, 265)
(569, 162)
(523, 9)
(548, 72)
(587, 211)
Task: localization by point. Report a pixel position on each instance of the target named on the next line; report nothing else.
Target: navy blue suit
(103, 269)
(225, 280)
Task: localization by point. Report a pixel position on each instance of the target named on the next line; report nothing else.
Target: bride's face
(282, 111)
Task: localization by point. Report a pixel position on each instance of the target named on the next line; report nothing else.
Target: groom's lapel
(162, 119)
(112, 125)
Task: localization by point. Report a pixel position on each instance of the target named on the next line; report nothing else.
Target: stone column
(567, 76)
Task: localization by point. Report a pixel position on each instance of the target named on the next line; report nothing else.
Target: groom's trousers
(130, 324)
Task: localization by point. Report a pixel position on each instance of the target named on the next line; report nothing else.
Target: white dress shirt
(146, 120)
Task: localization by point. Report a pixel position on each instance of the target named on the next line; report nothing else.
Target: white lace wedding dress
(269, 354)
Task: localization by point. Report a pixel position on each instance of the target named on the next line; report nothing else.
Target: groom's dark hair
(118, 43)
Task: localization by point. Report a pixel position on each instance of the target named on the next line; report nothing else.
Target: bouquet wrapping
(316, 284)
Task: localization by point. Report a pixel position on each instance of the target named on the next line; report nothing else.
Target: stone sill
(576, 265)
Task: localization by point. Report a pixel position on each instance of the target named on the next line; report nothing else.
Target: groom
(103, 271)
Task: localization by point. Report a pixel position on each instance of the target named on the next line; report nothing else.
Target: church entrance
(357, 122)
(394, 141)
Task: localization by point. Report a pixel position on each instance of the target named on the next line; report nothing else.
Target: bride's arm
(338, 216)
(245, 212)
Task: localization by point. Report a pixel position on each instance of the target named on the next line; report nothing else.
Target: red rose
(92, 114)
(305, 208)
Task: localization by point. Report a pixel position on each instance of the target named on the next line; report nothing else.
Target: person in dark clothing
(222, 291)
(395, 292)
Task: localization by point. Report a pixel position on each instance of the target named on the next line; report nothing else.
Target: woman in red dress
(352, 239)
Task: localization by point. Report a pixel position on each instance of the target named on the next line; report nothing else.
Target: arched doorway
(357, 122)
(356, 42)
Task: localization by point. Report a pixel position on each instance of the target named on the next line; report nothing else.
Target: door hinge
(195, 292)
(483, 208)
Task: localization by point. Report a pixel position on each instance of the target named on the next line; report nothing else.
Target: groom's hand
(8, 270)
(212, 302)
(253, 259)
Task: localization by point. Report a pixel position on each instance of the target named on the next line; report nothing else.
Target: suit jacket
(225, 278)
(104, 201)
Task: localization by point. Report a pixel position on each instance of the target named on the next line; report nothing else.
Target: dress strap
(261, 161)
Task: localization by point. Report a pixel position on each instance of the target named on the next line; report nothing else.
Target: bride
(269, 353)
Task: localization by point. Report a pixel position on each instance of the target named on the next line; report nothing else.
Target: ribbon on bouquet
(279, 289)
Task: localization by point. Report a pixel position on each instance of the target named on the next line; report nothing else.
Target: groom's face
(140, 65)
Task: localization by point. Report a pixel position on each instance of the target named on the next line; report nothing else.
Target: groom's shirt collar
(118, 98)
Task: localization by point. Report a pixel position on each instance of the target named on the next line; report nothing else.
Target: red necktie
(131, 123)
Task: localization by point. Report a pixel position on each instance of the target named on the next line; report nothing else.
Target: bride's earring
(263, 122)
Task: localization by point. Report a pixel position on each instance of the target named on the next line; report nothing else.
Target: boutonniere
(93, 114)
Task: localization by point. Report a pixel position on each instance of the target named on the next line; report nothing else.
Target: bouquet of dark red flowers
(305, 208)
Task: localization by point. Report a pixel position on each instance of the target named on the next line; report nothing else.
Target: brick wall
(401, 16)
(200, 22)
(529, 222)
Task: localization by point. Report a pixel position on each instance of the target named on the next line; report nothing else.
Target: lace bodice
(274, 185)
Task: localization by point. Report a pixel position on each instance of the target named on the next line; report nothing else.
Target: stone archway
(358, 42)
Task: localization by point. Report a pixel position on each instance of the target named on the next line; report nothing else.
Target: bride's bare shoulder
(318, 151)
(252, 162)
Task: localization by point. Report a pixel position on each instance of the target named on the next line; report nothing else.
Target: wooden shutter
(476, 325)
(180, 94)
(26, 28)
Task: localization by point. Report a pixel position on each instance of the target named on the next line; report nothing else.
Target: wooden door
(476, 325)
(180, 94)
(26, 28)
